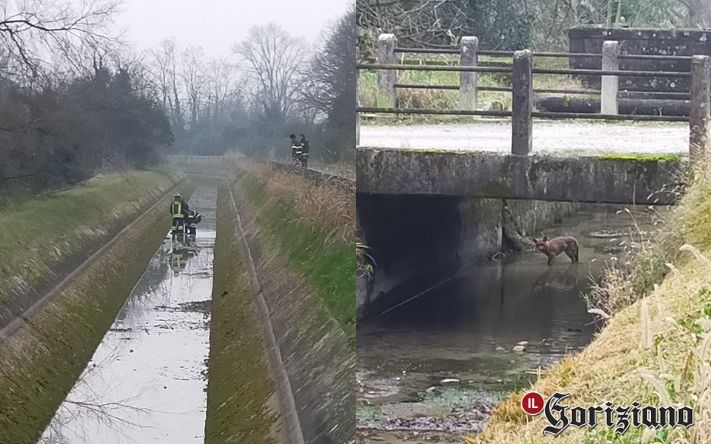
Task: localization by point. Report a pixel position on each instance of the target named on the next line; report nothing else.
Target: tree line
(514, 24)
(75, 100)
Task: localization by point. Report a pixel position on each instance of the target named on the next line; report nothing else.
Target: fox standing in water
(557, 245)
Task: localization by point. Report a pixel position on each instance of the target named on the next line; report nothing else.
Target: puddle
(433, 369)
(147, 379)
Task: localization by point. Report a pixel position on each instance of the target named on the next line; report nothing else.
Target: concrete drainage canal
(480, 333)
(146, 381)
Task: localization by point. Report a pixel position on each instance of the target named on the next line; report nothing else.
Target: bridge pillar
(469, 48)
(699, 112)
(522, 102)
(386, 78)
(610, 84)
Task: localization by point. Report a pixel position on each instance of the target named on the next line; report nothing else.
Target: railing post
(469, 47)
(610, 84)
(386, 78)
(699, 112)
(357, 114)
(522, 102)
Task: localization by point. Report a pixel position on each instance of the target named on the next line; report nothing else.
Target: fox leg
(573, 255)
(550, 258)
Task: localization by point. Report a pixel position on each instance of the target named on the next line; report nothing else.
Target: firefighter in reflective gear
(296, 149)
(304, 151)
(178, 210)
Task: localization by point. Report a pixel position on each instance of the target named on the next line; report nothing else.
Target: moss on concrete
(307, 279)
(52, 229)
(669, 157)
(40, 363)
(329, 266)
(239, 386)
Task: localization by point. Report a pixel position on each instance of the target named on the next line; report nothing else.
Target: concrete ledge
(624, 180)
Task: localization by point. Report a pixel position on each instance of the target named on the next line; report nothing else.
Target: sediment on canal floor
(307, 279)
(41, 360)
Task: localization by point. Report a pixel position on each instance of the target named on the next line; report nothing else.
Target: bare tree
(699, 13)
(31, 31)
(220, 83)
(332, 74)
(166, 73)
(194, 79)
(276, 60)
(330, 89)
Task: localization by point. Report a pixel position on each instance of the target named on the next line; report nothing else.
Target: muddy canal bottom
(146, 381)
(433, 369)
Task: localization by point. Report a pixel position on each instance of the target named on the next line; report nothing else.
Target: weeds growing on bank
(314, 228)
(655, 348)
(327, 208)
(43, 231)
(41, 361)
(239, 388)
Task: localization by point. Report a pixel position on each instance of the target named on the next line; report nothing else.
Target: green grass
(371, 415)
(449, 99)
(239, 386)
(329, 266)
(40, 233)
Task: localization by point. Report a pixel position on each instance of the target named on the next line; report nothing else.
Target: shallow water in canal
(147, 379)
(442, 361)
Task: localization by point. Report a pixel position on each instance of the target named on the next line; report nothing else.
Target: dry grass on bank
(656, 351)
(330, 208)
(312, 227)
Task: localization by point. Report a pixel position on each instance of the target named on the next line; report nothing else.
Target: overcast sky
(218, 24)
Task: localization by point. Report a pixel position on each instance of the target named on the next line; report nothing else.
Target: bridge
(501, 161)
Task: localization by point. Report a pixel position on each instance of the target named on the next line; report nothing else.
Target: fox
(557, 245)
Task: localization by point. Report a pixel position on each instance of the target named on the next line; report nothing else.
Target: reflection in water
(146, 381)
(491, 324)
(183, 247)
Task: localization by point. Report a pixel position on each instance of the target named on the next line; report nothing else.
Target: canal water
(439, 364)
(147, 379)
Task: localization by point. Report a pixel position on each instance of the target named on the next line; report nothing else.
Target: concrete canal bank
(300, 239)
(48, 350)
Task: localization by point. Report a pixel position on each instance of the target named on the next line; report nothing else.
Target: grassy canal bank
(49, 235)
(41, 361)
(655, 349)
(241, 404)
(300, 238)
(313, 230)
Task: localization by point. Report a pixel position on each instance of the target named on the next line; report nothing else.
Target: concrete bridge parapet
(628, 179)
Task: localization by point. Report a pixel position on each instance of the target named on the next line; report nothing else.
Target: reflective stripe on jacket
(176, 209)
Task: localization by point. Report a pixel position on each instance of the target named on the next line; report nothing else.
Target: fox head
(541, 244)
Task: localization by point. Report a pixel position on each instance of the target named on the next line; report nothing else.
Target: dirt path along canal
(147, 379)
